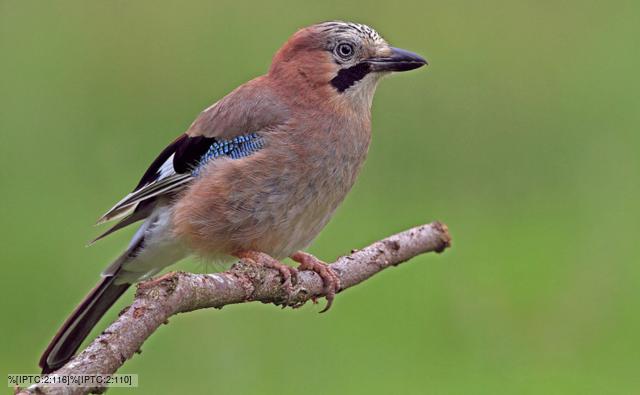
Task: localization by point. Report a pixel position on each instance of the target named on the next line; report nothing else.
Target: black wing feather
(186, 151)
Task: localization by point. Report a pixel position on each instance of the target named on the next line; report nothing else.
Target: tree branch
(157, 300)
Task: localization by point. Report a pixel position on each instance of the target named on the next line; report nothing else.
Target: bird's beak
(398, 60)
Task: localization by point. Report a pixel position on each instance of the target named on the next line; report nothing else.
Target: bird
(256, 176)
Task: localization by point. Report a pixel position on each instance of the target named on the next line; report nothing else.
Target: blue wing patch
(236, 148)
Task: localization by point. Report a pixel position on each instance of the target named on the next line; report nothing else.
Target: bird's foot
(289, 274)
(152, 282)
(330, 279)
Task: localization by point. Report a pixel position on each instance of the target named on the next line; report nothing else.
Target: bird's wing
(229, 128)
(168, 173)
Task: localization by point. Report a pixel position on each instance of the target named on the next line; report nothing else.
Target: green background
(521, 135)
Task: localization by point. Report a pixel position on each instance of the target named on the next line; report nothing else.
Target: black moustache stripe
(348, 77)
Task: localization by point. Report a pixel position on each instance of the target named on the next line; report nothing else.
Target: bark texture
(178, 292)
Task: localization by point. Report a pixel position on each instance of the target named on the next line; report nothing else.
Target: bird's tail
(149, 251)
(77, 327)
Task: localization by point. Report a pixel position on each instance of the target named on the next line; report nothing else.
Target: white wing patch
(168, 180)
(167, 169)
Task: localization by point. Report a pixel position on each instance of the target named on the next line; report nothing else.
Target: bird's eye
(345, 50)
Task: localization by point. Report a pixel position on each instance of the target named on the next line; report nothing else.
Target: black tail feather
(77, 327)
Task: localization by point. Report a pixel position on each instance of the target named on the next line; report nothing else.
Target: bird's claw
(152, 282)
(330, 279)
(288, 274)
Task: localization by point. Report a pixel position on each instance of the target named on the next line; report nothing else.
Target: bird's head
(341, 61)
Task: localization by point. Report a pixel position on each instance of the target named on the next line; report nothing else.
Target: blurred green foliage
(522, 136)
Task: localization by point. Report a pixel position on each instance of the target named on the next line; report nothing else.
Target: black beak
(399, 60)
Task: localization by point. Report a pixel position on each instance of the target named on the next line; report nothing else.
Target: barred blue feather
(236, 148)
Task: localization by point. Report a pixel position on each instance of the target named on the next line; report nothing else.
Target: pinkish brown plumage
(257, 175)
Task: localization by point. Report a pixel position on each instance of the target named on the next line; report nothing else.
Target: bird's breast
(278, 199)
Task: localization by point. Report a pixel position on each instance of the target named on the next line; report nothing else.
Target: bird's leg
(289, 274)
(152, 282)
(330, 279)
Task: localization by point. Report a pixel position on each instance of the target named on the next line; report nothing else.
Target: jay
(257, 175)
